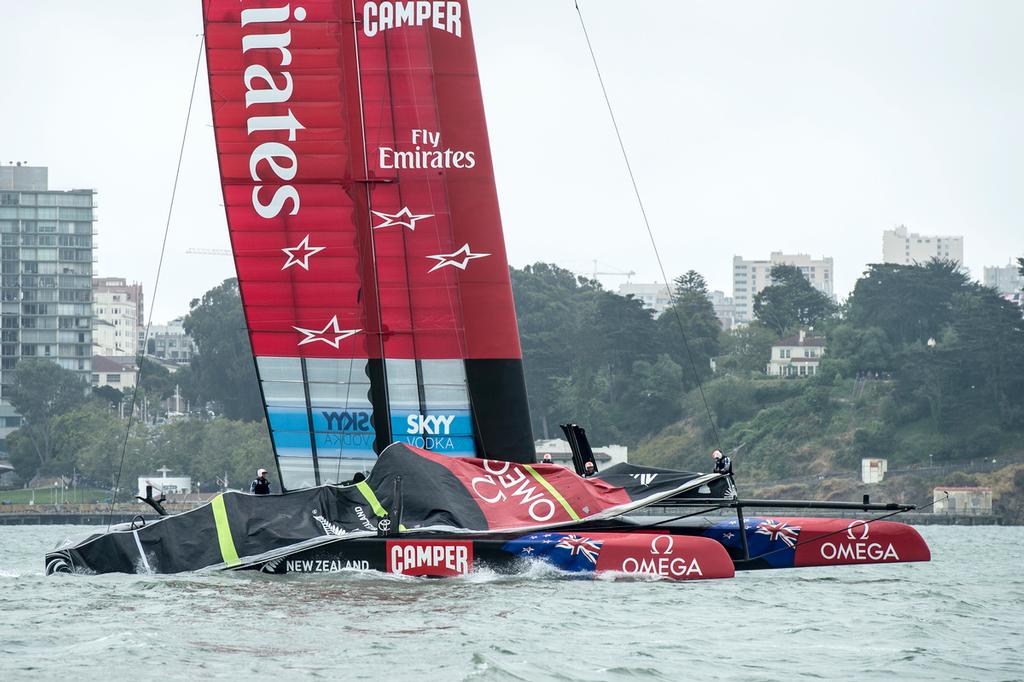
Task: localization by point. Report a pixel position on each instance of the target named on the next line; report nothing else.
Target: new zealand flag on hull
(768, 540)
(571, 552)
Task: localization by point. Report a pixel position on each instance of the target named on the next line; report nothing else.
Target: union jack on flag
(585, 547)
(779, 530)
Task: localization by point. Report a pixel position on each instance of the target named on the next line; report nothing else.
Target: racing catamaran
(363, 216)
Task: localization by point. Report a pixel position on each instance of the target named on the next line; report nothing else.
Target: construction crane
(620, 273)
(208, 252)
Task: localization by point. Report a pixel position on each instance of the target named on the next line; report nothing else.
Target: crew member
(546, 459)
(260, 486)
(723, 465)
(588, 469)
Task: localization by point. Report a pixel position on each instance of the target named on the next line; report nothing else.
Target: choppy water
(959, 617)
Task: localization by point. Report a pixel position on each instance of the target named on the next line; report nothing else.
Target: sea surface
(959, 617)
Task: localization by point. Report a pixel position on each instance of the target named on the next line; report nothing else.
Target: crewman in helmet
(260, 486)
(723, 465)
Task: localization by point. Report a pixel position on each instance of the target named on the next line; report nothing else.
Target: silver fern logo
(329, 528)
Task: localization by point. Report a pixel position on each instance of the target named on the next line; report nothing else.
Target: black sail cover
(439, 494)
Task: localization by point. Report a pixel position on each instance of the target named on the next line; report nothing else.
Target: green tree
(974, 373)
(111, 395)
(746, 349)
(592, 356)
(41, 391)
(910, 303)
(547, 300)
(864, 349)
(790, 301)
(92, 439)
(692, 311)
(223, 367)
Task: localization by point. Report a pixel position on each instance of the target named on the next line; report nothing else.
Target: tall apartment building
(899, 246)
(1005, 279)
(749, 277)
(46, 260)
(119, 324)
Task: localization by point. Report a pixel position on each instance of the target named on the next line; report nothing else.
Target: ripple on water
(935, 620)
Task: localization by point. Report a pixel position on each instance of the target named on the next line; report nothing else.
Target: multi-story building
(797, 356)
(725, 309)
(120, 372)
(654, 295)
(750, 277)
(899, 246)
(170, 342)
(46, 261)
(118, 324)
(1005, 279)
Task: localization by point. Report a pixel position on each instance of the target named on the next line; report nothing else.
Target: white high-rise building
(1005, 279)
(899, 246)
(750, 277)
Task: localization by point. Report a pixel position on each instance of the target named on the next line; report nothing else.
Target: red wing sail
(364, 221)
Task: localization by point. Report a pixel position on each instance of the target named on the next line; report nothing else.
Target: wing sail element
(364, 222)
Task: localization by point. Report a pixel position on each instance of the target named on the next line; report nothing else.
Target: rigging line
(647, 223)
(156, 283)
(619, 527)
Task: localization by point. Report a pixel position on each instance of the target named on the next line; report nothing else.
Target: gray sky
(752, 127)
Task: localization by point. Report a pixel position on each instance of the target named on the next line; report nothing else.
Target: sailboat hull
(681, 550)
(660, 555)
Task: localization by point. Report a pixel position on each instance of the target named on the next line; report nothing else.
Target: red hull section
(675, 557)
(638, 554)
(833, 542)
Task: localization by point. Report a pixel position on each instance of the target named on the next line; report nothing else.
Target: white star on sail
(445, 259)
(299, 255)
(332, 334)
(404, 217)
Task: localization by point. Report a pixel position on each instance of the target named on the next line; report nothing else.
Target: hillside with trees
(921, 366)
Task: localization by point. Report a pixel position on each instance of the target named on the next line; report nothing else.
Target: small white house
(872, 469)
(972, 500)
(118, 372)
(797, 356)
(168, 485)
